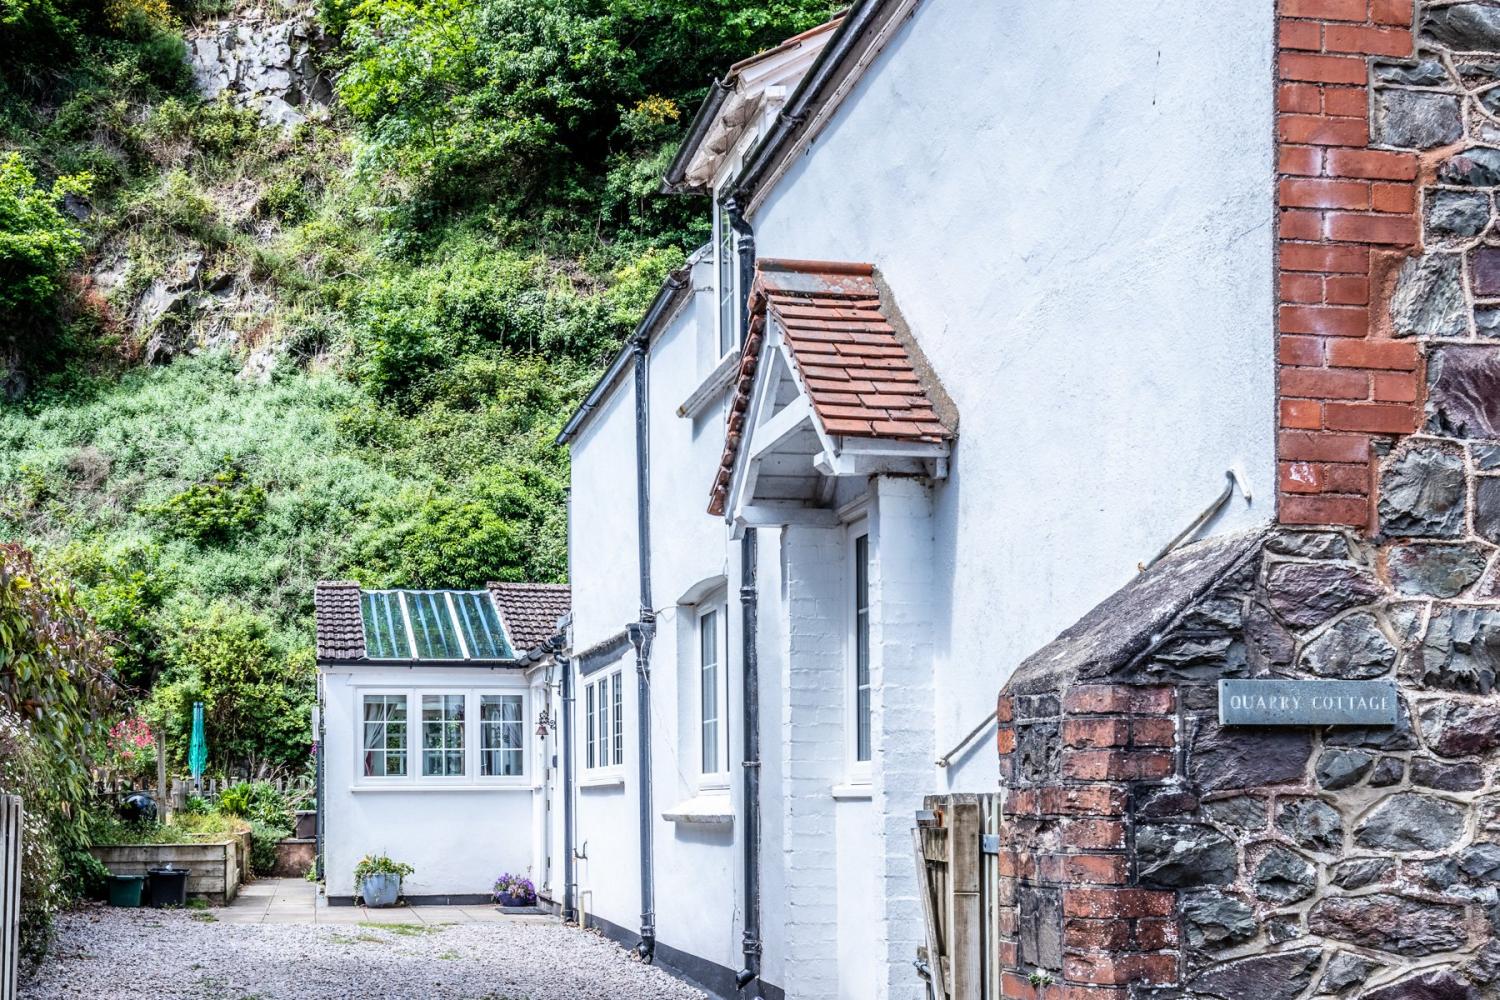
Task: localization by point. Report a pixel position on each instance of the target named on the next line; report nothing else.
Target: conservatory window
(501, 735)
(384, 735)
(442, 735)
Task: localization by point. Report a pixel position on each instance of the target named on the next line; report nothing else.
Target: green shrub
(37, 241)
(263, 840)
(214, 512)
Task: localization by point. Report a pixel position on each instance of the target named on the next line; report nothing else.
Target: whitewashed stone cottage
(985, 324)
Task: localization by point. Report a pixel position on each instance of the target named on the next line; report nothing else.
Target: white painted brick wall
(812, 673)
(901, 674)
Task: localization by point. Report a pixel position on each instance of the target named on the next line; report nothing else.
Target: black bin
(168, 886)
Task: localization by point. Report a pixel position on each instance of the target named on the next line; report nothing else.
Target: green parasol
(198, 748)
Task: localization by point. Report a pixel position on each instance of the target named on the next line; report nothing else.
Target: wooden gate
(10, 894)
(956, 840)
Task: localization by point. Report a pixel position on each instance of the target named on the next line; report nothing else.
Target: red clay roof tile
(859, 376)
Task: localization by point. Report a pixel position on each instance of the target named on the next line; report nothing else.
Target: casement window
(502, 735)
(726, 276)
(713, 749)
(383, 736)
(859, 649)
(463, 737)
(603, 723)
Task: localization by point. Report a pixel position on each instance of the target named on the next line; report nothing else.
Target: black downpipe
(749, 657)
(641, 634)
(570, 864)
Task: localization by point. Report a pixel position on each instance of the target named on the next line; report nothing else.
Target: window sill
(721, 378)
(602, 781)
(860, 791)
(361, 789)
(709, 809)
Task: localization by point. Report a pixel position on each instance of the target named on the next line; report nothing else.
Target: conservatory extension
(434, 734)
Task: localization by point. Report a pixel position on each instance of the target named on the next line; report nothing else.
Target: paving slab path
(279, 942)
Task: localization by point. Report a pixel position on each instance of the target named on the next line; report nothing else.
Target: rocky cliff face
(263, 59)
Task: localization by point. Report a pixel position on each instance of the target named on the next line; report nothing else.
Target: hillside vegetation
(238, 357)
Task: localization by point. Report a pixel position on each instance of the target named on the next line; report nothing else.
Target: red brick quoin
(1345, 210)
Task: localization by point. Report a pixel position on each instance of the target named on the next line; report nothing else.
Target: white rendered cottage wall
(1071, 203)
(458, 838)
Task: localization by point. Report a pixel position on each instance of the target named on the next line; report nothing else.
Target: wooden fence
(956, 841)
(10, 894)
(110, 785)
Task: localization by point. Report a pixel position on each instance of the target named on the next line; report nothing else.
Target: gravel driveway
(107, 954)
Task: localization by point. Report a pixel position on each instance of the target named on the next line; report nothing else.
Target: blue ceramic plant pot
(515, 899)
(380, 890)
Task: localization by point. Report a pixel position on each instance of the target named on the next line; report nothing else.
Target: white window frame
(859, 771)
(608, 738)
(414, 780)
(722, 233)
(718, 778)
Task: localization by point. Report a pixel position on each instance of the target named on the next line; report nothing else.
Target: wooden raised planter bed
(215, 868)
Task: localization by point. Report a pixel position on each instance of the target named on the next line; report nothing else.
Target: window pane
(385, 628)
(588, 727)
(708, 660)
(432, 626)
(604, 730)
(500, 735)
(862, 647)
(442, 735)
(728, 311)
(384, 735)
(480, 623)
(619, 735)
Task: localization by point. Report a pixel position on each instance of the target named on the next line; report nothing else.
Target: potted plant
(514, 890)
(377, 879)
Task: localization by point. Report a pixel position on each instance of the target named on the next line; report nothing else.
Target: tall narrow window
(618, 736)
(501, 735)
(728, 300)
(588, 727)
(385, 735)
(708, 694)
(862, 648)
(442, 735)
(604, 727)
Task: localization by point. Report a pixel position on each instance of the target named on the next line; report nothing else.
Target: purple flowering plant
(518, 887)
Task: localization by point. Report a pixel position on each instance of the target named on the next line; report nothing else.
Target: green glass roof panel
(432, 626)
(385, 626)
(480, 624)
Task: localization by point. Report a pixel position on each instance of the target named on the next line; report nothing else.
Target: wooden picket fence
(110, 785)
(10, 894)
(956, 840)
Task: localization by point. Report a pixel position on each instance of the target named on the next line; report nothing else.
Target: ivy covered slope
(249, 343)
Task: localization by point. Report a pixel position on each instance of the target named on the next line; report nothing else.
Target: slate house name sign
(1307, 703)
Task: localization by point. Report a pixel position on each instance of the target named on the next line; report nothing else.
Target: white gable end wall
(1071, 203)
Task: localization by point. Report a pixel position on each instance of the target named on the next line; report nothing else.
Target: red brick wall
(1345, 210)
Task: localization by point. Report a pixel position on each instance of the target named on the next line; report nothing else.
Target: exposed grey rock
(1461, 651)
(1342, 768)
(1268, 643)
(1481, 862)
(1196, 657)
(1463, 27)
(269, 66)
(1484, 271)
(1362, 872)
(1487, 507)
(1309, 544)
(1425, 72)
(1422, 493)
(1283, 929)
(1455, 214)
(1466, 776)
(1221, 759)
(1387, 771)
(1244, 812)
(1397, 737)
(1441, 984)
(1477, 167)
(1429, 298)
(1487, 321)
(1311, 823)
(1442, 874)
(1038, 753)
(1463, 391)
(1165, 802)
(1215, 919)
(1416, 119)
(1399, 924)
(1284, 876)
(1181, 855)
(1344, 970)
(1307, 594)
(1486, 454)
(1353, 648)
(1425, 569)
(1458, 729)
(1484, 969)
(1411, 822)
(1280, 976)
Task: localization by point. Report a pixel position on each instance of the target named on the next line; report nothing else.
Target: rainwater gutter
(641, 633)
